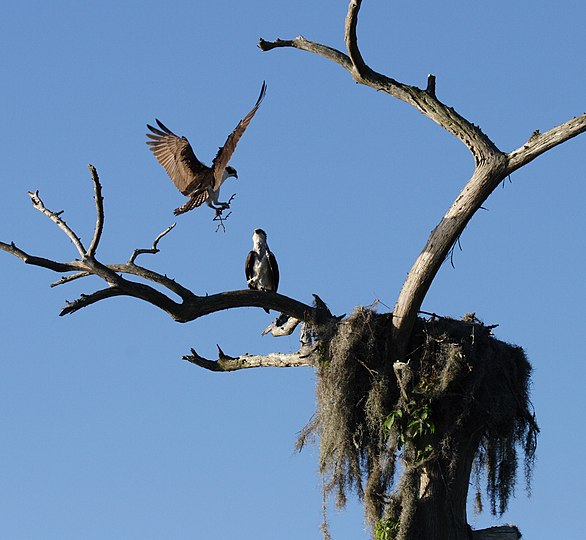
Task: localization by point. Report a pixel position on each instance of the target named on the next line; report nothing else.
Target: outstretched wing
(176, 156)
(274, 269)
(225, 152)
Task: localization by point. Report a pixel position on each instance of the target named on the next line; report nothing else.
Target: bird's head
(259, 236)
(230, 171)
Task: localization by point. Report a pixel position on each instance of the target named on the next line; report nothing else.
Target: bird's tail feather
(194, 202)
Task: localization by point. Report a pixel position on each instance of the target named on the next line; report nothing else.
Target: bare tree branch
(205, 305)
(310, 46)
(54, 217)
(200, 306)
(246, 361)
(150, 275)
(191, 306)
(484, 180)
(154, 250)
(40, 261)
(351, 39)
(99, 212)
(131, 268)
(539, 143)
(492, 165)
(283, 325)
(124, 287)
(85, 300)
(426, 102)
(134, 269)
(72, 277)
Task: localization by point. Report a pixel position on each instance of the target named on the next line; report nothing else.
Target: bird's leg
(214, 207)
(217, 205)
(221, 206)
(225, 205)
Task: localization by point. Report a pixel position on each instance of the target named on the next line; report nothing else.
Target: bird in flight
(261, 269)
(194, 179)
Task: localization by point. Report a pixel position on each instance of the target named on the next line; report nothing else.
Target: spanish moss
(459, 407)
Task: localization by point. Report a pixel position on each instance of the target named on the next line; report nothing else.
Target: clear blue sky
(106, 433)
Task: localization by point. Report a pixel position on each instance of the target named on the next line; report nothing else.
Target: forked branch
(492, 165)
(190, 306)
(423, 100)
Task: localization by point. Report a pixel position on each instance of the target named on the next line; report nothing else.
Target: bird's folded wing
(275, 270)
(249, 266)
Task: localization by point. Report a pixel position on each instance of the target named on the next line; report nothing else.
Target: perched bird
(194, 179)
(261, 269)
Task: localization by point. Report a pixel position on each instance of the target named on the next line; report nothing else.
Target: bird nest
(459, 379)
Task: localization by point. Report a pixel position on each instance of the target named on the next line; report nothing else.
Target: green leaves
(395, 422)
(393, 418)
(414, 425)
(386, 529)
(420, 422)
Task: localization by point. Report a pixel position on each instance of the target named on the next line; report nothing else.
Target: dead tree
(415, 381)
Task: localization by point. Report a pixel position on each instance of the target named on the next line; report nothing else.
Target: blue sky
(106, 432)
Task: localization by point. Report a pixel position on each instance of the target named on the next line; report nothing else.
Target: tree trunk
(441, 509)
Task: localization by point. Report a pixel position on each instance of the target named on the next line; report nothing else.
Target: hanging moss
(458, 378)
(354, 395)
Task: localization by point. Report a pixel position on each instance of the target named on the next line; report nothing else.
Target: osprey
(261, 269)
(194, 179)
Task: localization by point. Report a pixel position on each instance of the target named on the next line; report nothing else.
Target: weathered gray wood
(246, 361)
(492, 165)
